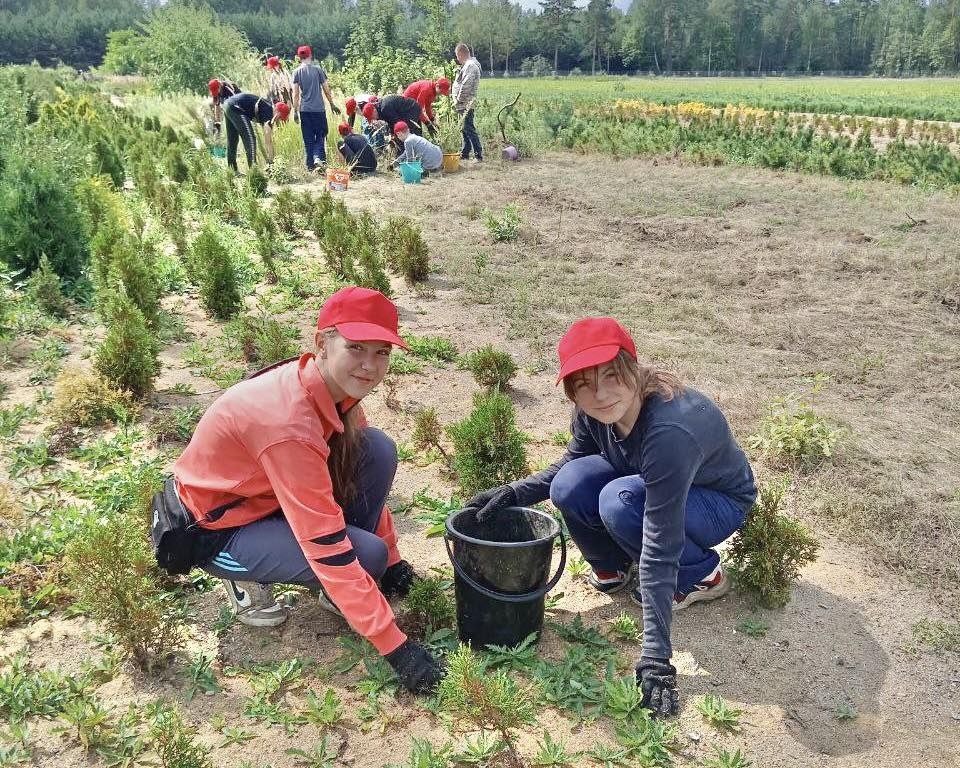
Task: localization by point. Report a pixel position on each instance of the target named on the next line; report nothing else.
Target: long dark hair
(344, 454)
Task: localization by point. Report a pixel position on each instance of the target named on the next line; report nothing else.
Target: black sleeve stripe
(344, 558)
(331, 538)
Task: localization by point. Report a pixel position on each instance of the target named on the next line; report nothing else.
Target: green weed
(176, 425)
(554, 752)
(434, 349)
(625, 628)
(402, 363)
(46, 359)
(608, 756)
(793, 435)
(718, 713)
(323, 711)
(505, 226)
(427, 608)
(845, 712)
(479, 750)
(521, 657)
(622, 697)
(648, 740)
(577, 566)
(424, 755)
(725, 759)
(201, 677)
(433, 511)
(236, 735)
(754, 627)
(938, 635)
(173, 740)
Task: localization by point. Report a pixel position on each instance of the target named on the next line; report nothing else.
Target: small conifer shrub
(174, 165)
(257, 181)
(216, 274)
(127, 356)
(43, 289)
(427, 608)
(136, 271)
(263, 340)
(490, 367)
(84, 399)
(405, 251)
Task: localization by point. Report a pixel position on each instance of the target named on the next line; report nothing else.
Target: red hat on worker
(591, 342)
(214, 86)
(351, 106)
(400, 125)
(282, 109)
(362, 314)
(304, 52)
(443, 86)
(369, 111)
(343, 129)
(273, 62)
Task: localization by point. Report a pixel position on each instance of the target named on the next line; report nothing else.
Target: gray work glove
(415, 668)
(657, 680)
(492, 500)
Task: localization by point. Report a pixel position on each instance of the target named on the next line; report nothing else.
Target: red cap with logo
(362, 314)
(304, 52)
(273, 62)
(591, 342)
(351, 106)
(282, 109)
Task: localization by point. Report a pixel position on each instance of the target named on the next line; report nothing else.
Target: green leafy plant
(554, 752)
(724, 758)
(423, 754)
(85, 399)
(402, 363)
(845, 712)
(434, 349)
(176, 425)
(577, 566)
(490, 367)
(173, 741)
(770, 549)
(127, 357)
(216, 274)
(754, 627)
(427, 608)
(88, 721)
(201, 677)
(718, 713)
(647, 740)
(608, 756)
(505, 226)
(46, 359)
(939, 635)
(622, 697)
(262, 339)
(433, 511)
(520, 657)
(322, 755)
(626, 628)
(489, 450)
(404, 249)
(792, 434)
(486, 701)
(479, 750)
(257, 181)
(115, 577)
(324, 711)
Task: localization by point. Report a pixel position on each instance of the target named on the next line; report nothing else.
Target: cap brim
(370, 332)
(588, 358)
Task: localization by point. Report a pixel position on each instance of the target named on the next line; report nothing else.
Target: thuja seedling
(625, 627)
(726, 759)
(718, 713)
(754, 627)
(577, 566)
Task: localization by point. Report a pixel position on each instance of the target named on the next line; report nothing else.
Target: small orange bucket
(338, 179)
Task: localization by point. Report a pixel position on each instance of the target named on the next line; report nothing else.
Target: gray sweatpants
(267, 552)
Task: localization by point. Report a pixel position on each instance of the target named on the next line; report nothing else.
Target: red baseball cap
(362, 314)
(343, 129)
(351, 106)
(400, 125)
(591, 342)
(282, 109)
(304, 52)
(273, 62)
(369, 110)
(443, 85)
(214, 86)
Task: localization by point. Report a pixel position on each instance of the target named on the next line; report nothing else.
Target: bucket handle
(502, 596)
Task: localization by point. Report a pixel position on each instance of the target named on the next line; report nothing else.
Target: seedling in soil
(845, 712)
(427, 608)
(519, 658)
(236, 735)
(561, 438)
(405, 452)
(608, 756)
(754, 627)
(554, 752)
(323, 755)
(505, 227)
(173, 741)
(88, 721)
(434, 349)
(577, 566)
(31, 456)
(424, 755)
(401, 363)
(201, 678)
(433, 511)
(487, 701)
(479, 750)
(355, 650)
(718, 713)
(176, 425)
(938, 635)
(11, 419)
(625, 627)
(572, 683)
(46, 360)
(325, 711)
(490, 367)
(553, 601)
(622, 697)
(648, 740)
(427, 432)
(576, 632)
(726, 759)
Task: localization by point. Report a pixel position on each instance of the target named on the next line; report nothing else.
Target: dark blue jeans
(604, 512)
(313, 125)
(266, 551)
(471, 139)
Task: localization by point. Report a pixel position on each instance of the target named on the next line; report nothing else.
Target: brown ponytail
(344, 455)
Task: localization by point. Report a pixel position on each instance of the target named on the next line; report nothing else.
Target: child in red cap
(220, 89)
(310, 86)
(356, 151)
(242, 111)
(652, 477)
(393, 109)
(287, 483)
(417, 148)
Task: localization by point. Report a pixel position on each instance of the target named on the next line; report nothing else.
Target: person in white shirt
(465, 87)
(417, 148)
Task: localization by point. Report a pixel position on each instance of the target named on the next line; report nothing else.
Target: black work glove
(296, 118)
(492, 500)
(397, 579)
(335, 108)
(216, 128)
(415, 668)
(657, 680)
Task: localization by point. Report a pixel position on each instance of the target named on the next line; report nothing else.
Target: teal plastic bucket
(218, 151)
(411, 172)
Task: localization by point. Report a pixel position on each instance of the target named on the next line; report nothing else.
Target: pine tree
(216, 274)
(128, 354)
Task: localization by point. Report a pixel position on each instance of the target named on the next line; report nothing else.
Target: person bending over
(287, 483)
(242, 111)
(356, 151)
(652, 475)
(417, 148)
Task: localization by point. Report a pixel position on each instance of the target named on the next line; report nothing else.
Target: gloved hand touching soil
(415, 668)
(397, 579)
(491, 500)
(657, 680)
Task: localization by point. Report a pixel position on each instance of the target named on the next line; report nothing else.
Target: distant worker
(220, 89)
(278, 82)
(392, 110)
(310, 85)
(356, 150)
(417, 148)
(242, 111)
(425, 93)
(355, 105)
(465, 86)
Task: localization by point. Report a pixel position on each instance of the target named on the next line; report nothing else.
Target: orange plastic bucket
(451, 161)
(338, 179)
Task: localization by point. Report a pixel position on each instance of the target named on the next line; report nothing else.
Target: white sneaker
(717, 584)
(254, 604)
(327, 604)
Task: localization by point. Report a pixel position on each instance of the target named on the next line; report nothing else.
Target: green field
(920, 98)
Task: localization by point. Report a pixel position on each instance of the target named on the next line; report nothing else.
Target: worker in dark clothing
(356, 150)
(395, 109)
(220, 89)
(242, 111)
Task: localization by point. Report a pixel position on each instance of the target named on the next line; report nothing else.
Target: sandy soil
(747, 283)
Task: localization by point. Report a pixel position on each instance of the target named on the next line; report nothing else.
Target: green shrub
(792, 434)
(43, 289)
(128, 354)
(770, 549)
(264, 226)
(176, 425)
(173, 741)
(490, 367)
(107, 161)
(84, 399)
(40, 214)
(175, 166)
(404, 249)
(504, 227)
(488, 448)
(427, 608)
(115, 578)
(435, 349)
(136, 271)
(284, 211)
(262, 339)
(427, 430)
(368, 270)
(122, 54)
(336, 238)
(257, 181)
(216, 274)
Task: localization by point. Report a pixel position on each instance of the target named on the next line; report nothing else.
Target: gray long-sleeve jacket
(674, 444)
(466, 84)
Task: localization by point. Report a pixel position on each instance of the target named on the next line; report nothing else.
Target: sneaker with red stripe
(609, 581)
(717, 584)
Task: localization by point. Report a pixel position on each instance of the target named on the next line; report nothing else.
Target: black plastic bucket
(502, 572)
